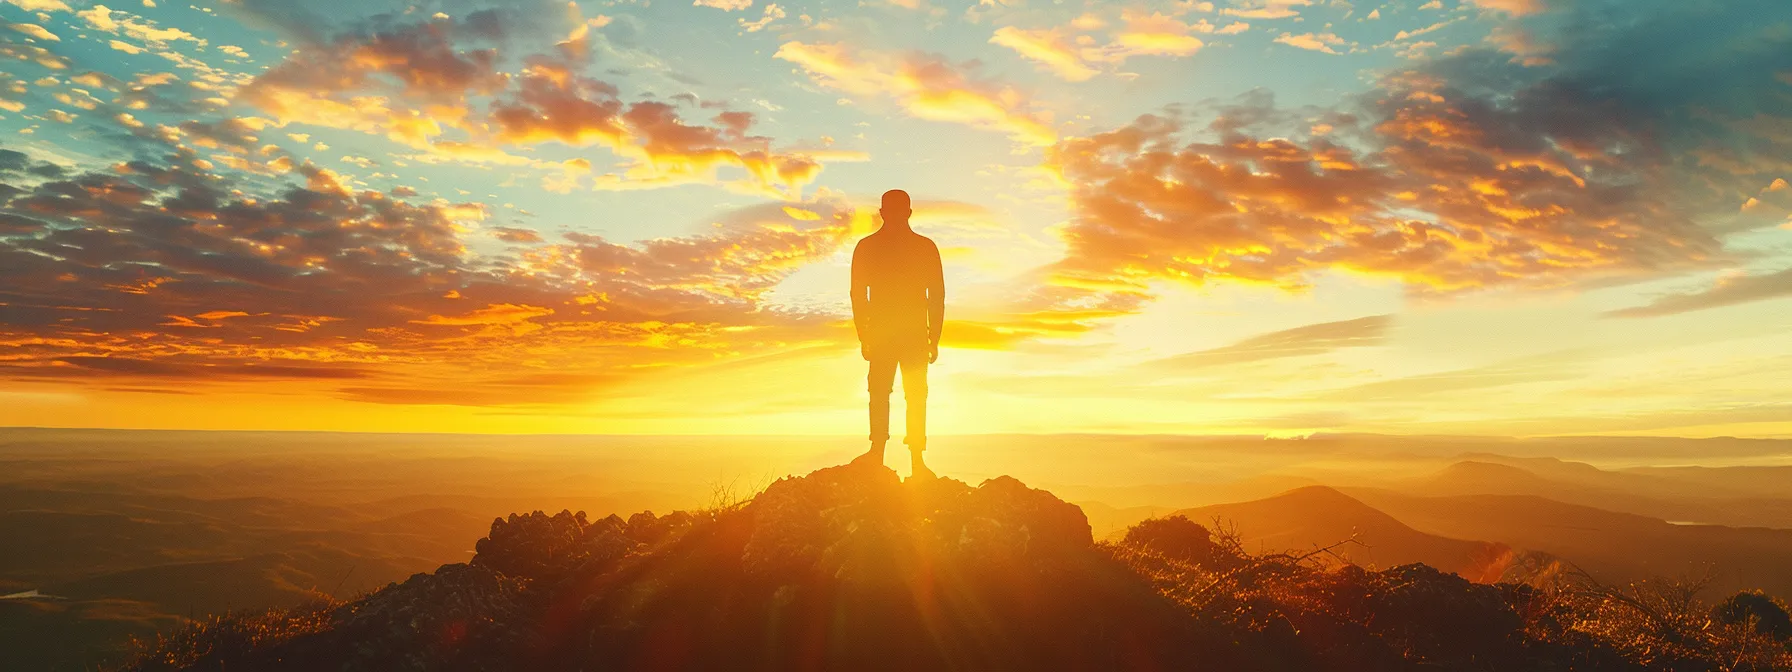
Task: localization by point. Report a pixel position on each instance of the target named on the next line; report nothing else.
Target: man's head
(895, 207)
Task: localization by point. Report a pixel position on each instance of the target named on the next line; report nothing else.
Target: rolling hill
(1612, 546)
(1318, 516)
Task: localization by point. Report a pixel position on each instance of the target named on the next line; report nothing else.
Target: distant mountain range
(1478, 517)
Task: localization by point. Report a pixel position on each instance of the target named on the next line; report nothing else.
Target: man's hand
(865, 351)
(933, 352)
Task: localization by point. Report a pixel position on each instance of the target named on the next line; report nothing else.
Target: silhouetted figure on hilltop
(898, 306)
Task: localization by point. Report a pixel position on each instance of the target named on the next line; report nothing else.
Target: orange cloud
(1452, 198)
(497, 313)
(925, 86)
(328, 283)
(551, 106)
(1513, 7)
(414, 84)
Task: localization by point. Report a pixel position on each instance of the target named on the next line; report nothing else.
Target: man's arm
(861, 294)
(936, 300)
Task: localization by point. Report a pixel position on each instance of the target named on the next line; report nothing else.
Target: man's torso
(897, 269)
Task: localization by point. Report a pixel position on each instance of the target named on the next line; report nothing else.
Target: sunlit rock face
(850, 568)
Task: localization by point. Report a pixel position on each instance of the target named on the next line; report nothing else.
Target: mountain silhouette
(849, 568)
(1316, 516)
(1611, 545)
(1482, 476)
(1725, 496)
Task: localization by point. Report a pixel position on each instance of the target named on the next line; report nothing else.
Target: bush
(1766, 615)
(1183, 539)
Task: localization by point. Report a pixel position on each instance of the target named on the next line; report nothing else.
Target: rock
(1003, 521)
(436, 617)
(542, 547)
(797, 522)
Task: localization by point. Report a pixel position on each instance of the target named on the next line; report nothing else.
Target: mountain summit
(849, 568)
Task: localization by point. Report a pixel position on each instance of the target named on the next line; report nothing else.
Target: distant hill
(1698, 496)
(1746, 481)
(1477, 476)
(1613, 546)
(1319, 516)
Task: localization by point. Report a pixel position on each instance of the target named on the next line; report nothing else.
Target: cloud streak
(1728, 291)
(1312, 339)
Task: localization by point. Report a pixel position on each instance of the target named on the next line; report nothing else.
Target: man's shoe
(871, 458)
(921, 472)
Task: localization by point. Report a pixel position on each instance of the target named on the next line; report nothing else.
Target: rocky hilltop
(849, 568)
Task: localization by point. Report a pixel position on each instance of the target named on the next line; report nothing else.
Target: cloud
(772, 13)
(34, 54)
(1537, 369)
(497, 313)
(1513, 7)
(1729, 290)
(34, 30)
(1048, 48)
(321, 282)
(550, 106)
(41, 5)
(926, 86)
(1438, 208)
(1157, 34)
(101, 17)
(1525, 48)
(1467, 172)
(81, 366)
(724, 5)
(516, 235)
(1267, 9)
(1075, 56)
(1313, 339)
(409, 82)
(1004, 330)
(417, 84)
(1322, 42)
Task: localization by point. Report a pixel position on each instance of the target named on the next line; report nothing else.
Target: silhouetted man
(898, 304)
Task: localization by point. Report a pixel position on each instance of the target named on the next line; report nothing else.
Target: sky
(1282, 217)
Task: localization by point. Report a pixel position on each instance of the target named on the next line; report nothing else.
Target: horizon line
(1261, 436)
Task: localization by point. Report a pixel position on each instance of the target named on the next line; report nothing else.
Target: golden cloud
(497, 313)
(1073, 55)
(925, 86)
(323, 283)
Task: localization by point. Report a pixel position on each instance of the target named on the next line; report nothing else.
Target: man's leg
(879, 382)
(914, 395)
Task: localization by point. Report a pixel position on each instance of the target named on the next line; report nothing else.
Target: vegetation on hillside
(848, 568)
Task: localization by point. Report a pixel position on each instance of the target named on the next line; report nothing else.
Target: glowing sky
(1512, 217)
